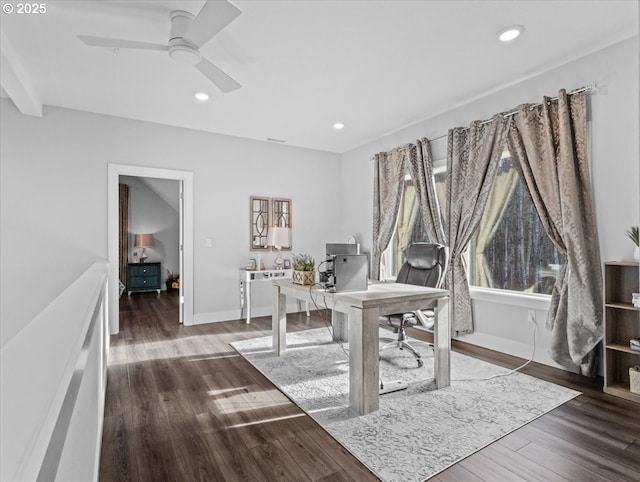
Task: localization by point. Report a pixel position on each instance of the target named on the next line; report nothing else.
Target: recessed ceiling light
(338, 126)
(201, 96)
(511, 33)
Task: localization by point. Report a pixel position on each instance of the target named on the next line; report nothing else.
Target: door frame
(186, 277)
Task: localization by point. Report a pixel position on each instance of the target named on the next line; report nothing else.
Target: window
(409, 226)
(510, 249)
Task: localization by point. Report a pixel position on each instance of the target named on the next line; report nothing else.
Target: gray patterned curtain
(123, 231)
(548, 145)
(421, 170)
(387, 192)
(503, 187)
(473, 157)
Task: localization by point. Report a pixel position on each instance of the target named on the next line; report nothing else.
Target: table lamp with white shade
(279, 238)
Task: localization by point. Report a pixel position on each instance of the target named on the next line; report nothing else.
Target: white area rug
(418, 432)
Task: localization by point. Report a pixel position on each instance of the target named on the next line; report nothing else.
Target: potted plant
(304, 267)
(634, 235)
(173, 281)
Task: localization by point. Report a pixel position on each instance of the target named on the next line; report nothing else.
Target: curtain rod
(515, 111)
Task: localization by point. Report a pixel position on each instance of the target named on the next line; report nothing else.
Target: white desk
(362, 310)
(247, 277)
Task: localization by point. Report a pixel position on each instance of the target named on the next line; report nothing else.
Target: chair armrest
(427, 318)
(409, 319)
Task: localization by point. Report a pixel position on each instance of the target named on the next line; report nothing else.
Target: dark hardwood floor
(183, 405)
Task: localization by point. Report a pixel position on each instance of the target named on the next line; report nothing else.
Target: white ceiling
(376, 66)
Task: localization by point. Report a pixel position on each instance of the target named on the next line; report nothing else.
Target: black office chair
(425, 266)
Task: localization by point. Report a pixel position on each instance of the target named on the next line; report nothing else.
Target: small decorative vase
(636, 253)
(304, 277)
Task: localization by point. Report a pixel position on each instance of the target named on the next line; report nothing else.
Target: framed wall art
(259, 220)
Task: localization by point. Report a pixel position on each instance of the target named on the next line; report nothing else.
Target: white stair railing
(53, 381)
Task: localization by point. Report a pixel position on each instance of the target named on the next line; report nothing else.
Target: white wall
(53, 196)
(149, 213)
(53, 202)
(615, 173)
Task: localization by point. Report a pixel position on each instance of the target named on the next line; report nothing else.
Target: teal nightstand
(143, 277)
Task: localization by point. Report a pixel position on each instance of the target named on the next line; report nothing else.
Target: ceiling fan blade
(217, 76)
(214, 16)
(115, 43)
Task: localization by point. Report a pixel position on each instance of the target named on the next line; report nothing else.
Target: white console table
(247, 277)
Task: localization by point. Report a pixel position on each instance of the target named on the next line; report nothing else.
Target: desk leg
(340, 325)
(442, 345)
(364, 380)
(279, 321)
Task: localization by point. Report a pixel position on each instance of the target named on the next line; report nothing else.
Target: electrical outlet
(531, 316)
(208, 243)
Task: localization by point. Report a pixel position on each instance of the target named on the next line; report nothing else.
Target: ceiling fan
(188, 34)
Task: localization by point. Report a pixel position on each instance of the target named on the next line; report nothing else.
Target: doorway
(150, 242)
(185, 181)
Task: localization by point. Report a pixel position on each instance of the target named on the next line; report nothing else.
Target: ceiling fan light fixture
(187, 35)
(201, 96)
(185, 54)
(510, 33)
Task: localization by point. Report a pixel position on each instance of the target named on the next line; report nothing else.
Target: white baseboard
(512, 347)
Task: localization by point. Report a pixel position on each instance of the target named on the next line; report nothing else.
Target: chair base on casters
(401, 344)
